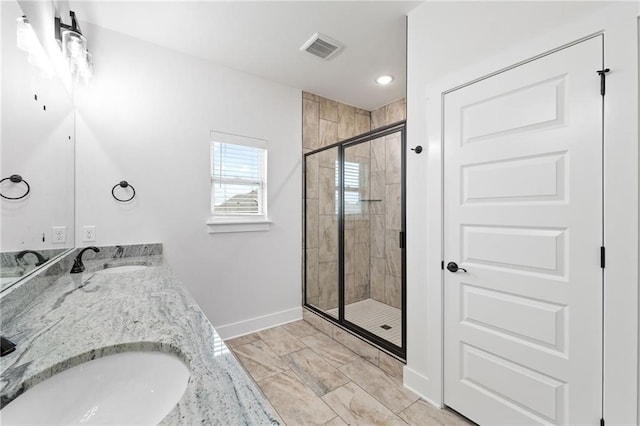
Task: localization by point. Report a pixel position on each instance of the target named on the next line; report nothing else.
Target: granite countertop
(84, 316)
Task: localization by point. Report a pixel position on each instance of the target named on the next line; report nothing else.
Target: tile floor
(311, 379)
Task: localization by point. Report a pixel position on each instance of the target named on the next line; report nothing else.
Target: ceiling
(263, 38)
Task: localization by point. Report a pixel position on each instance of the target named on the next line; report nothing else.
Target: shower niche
(354, 242)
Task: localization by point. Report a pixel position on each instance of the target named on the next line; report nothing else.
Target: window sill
(216, 225)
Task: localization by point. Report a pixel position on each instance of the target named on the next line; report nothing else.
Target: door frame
(424, 371)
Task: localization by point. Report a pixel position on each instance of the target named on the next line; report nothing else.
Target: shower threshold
(376, 317)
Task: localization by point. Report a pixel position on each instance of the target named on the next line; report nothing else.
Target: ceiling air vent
(322, 46)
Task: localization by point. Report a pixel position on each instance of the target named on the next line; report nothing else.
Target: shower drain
(386, 326)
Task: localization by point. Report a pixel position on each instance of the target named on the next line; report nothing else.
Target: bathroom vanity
(126, 300)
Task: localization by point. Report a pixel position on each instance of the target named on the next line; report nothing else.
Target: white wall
(452, 43)
(146, 118)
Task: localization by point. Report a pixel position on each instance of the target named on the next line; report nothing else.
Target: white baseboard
(252, 325)
(421, 385)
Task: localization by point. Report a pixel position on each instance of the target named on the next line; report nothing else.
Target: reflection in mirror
(37, 143)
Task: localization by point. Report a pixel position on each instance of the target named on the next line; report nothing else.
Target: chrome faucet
(78, 266)
(41, 258)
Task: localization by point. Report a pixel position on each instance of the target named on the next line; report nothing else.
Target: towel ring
(16, 179)
(123, 184)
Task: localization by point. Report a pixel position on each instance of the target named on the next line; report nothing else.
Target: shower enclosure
(354, 199)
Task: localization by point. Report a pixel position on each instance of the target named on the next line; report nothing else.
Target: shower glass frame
(341, 321)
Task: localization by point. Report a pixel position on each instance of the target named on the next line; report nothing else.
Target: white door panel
(523, 216)
(534, 178)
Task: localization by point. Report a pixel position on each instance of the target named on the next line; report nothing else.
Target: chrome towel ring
(123, 184)
(16, 179)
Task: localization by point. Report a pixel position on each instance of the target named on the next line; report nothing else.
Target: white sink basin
(117, 269)
(129, 388)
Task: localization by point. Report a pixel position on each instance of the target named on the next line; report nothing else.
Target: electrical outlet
(89, 233)
(59, 234)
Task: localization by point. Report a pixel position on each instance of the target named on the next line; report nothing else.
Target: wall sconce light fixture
(28, 41)
(74, 48)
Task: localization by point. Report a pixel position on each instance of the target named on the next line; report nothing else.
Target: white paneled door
(523, 217)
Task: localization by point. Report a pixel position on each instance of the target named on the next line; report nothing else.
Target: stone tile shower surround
(372, 257)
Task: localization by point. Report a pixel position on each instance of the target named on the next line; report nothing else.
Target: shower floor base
(372, 316)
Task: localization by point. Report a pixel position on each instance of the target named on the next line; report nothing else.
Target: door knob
(453, 267)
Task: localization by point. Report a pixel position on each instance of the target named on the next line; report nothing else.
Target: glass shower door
(354, 236)
(322, 231)
(373, 236)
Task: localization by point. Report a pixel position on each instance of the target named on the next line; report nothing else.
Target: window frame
(238, 221)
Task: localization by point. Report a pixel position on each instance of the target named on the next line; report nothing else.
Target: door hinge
(442, 265)
(603, 78)
(601, 422)
(402, 239)
(602, 263)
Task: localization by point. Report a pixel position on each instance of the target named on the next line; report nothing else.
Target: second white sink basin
(133, 388)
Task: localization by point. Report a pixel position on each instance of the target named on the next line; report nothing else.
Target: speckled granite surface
(83, 316)
(11, 271)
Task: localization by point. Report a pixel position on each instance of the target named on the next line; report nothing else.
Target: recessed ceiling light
(383, 80)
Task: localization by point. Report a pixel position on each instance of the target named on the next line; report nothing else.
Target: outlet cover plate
(89, 233)
(58, 234)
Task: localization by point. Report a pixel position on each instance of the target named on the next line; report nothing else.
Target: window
(352, 204)
(238, 181)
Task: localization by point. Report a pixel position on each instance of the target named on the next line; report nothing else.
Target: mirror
(37, 143)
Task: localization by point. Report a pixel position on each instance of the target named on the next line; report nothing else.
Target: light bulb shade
(24, 34)
(74, 45)
(27, 41)
(74, 48)
(85, 68)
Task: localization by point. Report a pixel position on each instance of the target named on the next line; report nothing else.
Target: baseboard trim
(419, 384)
(252, 325)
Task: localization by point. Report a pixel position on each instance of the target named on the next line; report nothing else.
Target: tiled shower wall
(326, 122)
(386, 216)
(370, 271)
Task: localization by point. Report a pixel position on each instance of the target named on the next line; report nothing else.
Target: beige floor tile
(259, 360)
(380, 385)
(294, 401)
(242, 340)
(336, 421)
(363, 349)
(333, 352)
(356, 407)
(321, 324)
(317, 373)
(300, 329)
(280, 340)
(421, 413)
(390, 365)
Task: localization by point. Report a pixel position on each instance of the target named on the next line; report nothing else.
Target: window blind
(237, 179)
(352, 203)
